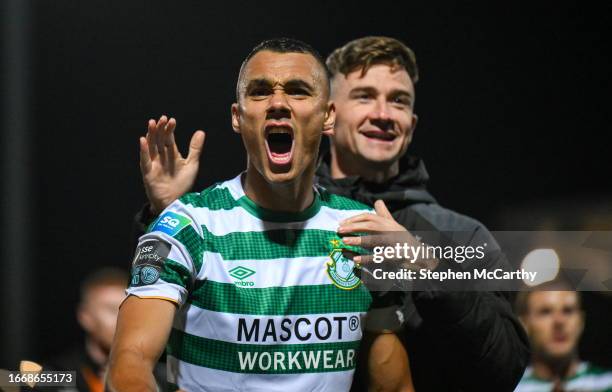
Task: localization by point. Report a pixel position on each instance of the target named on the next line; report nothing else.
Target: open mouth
(379, 135)
(560, 338)
(279, 144)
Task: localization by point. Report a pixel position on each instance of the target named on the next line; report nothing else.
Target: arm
(490, 350)
(387, 361)
(388, 365)
(485, 335)
(487, 338)
(143, 327)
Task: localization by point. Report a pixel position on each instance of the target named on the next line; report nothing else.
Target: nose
(559, 319)
(380, 115)
(381, 110)
(278, 106)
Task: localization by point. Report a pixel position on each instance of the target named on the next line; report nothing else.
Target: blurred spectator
(101, 294)
(554, 321)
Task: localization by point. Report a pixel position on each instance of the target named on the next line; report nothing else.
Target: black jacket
(456, 341)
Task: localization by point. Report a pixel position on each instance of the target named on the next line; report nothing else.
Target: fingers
(363, 223)
(364, 259)
(372, 241)
(151, 136)
(145, 158)
(366, 226)
(368, 241)
(160, 141)
(160, 136)
(195, 146)
(170, 149)
(358, 218)
(352, 241)
(381, 209)
(169, 142)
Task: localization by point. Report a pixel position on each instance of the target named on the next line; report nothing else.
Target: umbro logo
(241, 273)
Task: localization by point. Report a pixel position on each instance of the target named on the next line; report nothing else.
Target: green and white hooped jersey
(266, 300)
(587, 378)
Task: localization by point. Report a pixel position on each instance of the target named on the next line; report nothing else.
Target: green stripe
(270, 244)
(193, 243)
(292, 300)
(213, 198)
(221, 199)
(338, 202)
(173, 272)
(221, 355)
(279, 216)
(218, 198)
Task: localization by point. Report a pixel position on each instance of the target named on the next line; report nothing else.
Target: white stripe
(223, 222)
(530, 386)
(160, 289)
(196, 378)
(234, 186)
(269, 273)
(591, 382)
(225, 326)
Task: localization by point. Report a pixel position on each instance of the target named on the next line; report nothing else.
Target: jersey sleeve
(168, 257)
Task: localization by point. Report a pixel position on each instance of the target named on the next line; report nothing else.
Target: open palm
(165, 173)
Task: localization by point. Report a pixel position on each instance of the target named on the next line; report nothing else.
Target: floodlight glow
(545, 262)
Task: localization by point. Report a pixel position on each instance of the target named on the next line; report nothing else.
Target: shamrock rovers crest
(341, 270)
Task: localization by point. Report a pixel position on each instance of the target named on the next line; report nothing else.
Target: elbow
(129, 371)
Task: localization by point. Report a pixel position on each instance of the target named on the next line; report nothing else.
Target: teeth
(381, 136)
(278, 130)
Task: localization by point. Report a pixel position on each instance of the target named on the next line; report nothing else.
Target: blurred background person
(554, 321)
(100, 296)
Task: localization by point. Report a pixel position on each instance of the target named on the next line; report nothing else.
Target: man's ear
(410, 133)
(330, 119)
(415, 120)
(235, 118)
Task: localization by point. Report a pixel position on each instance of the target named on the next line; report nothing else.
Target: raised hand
(165, 173)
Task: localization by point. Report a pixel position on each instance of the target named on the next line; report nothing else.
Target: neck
(344, 164)
(294, 196)
(96, 352)
(558, 369)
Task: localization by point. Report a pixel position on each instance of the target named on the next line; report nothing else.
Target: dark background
(513, 105)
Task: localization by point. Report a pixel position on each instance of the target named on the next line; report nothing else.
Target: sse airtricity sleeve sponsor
(168, 257)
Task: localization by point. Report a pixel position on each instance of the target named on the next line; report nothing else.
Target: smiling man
(238, 279)
(450, 336)
(375, 114)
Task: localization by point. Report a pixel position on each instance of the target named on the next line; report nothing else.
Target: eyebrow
(299, 83)
(374, 91)
(393, 93)
(291, 83)
(261, 82)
